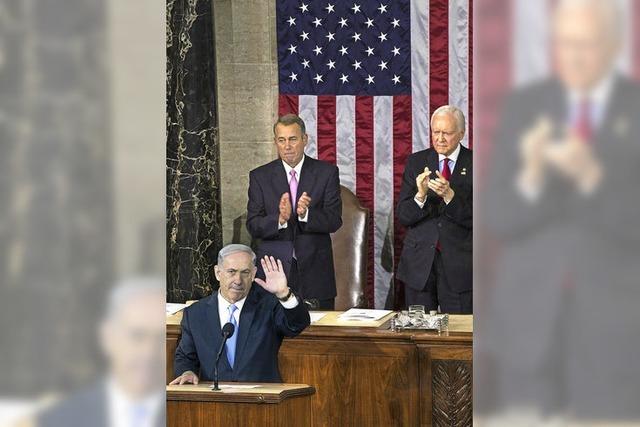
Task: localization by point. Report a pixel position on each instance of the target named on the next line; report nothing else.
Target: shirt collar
(121, 404)
(597, 95)
(453, 156)
(223, 304)
(297, 168)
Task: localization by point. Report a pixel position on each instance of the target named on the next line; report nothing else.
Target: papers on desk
(360, 314)
(173, 308)
(316, 315)
(229, 388)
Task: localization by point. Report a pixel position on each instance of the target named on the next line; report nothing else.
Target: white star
(329, 8)
(396, 51)
(317, 50)
(317, 22)
(291, 21)
(396, 79)
(369, 23)
(318, 78)
(369, 79)
(292, 49)
(355, 8)
(331, 64)
(382, 65)
(356, 65)
(330, 36)
(382, 8)
(369, 51)
(355, 37)
(344, 78)
(304, 35)
(382, 37)
(293, 77)
(304, 7)
(305, 63)
(342, 22)
(343, 51)
(395, 23)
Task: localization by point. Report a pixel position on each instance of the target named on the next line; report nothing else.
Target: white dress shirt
(122, 409)
(453, 159)
(287, 170)
(223, 307)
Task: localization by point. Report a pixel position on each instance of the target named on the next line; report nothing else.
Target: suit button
(433, 246)
(440, 225)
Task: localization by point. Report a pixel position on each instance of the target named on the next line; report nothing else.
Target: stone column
(194, 233)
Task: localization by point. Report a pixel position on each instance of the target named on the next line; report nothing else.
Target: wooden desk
(374, 377)
(268, 405)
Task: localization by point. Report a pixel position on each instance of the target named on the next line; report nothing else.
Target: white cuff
(282, 226)
(305, 217)
(292, 302)
(419, 203)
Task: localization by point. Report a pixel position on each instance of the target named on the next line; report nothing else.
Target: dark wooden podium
(268, 405)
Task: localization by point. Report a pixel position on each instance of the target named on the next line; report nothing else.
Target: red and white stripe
(370, 138)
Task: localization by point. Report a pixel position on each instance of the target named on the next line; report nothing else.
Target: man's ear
(305, 139)
(216, 271)
(253, 273)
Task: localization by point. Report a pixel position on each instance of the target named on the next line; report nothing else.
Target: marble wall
(193, 165)
(248, 88)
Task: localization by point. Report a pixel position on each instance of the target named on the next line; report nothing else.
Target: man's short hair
(288, 120)
(129, 288)
(456, 112)
(235, 248)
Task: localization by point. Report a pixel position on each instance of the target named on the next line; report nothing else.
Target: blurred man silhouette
(561, 201)
(132, 336)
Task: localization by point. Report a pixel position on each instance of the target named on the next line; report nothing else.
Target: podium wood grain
(271, 405)
(374, 377)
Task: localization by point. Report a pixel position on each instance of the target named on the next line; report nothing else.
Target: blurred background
(556, 234)
(82, 211)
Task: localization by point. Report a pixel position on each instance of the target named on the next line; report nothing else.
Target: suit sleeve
(186, 357)
(259, 224)
(408, 211)
(460, 209)
(290, 322)
(326, 217)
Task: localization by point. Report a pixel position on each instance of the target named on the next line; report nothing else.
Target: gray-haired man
(262, 315)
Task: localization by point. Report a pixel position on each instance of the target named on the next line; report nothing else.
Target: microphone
(227, 332)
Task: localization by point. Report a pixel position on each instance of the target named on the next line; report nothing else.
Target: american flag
(364, 76)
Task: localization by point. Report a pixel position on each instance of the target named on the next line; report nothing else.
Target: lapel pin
(463, 171)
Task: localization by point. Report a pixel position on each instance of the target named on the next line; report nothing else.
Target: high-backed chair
(350, 252)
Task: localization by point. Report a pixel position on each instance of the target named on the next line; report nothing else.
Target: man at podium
(261, 317)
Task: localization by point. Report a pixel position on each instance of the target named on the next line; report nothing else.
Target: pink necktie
(293, 188)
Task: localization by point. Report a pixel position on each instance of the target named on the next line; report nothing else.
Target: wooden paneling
(375, 377)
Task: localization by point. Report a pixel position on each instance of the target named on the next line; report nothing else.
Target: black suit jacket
(264, 322)
(312, 240)
(451, 225)
(88, 407)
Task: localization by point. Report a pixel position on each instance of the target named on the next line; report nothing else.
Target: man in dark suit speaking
(294, 205)
(262, 315)
(436, 204)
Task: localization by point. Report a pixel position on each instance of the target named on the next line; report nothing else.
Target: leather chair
(350, 253)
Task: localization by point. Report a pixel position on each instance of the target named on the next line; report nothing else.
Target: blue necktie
(231, 342)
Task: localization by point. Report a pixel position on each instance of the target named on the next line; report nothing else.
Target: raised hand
(441, 187)
(285, 208)
(303, 204)
(275, 280)
(422, 182)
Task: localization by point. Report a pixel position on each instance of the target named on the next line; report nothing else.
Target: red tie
(583, 127)
(446, 172)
